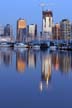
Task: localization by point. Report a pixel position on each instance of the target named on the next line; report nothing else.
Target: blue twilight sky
(11, 10)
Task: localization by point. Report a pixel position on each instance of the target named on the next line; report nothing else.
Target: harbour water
(34, 78)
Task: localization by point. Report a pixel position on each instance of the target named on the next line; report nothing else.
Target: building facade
(8, 30)
(47, 23)
(71, 30)
(56, 32)
(32, 31)
(1, 30)
(65, 26)
(21, 30)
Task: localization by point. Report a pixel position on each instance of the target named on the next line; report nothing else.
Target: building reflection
(31, 59)
(65, 63)
(46, 62)
(20, 61)
(71, 61)
(55, 61)
(6, 57)
(62, 62)
(46, 69)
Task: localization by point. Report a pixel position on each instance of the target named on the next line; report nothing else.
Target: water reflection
(6, 57)
(20, 61)
(47, 63)
(29, 77)
(31, 59)
(46, 69)
(62, 61)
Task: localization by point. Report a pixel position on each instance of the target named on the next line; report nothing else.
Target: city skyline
(35, 53)
(50, 30)
(26, 9)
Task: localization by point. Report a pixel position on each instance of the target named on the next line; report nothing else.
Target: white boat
(5, 44)
(53, 48)
(36, 47)
(20, 45)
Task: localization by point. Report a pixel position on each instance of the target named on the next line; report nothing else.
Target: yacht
(5, 44)
(20, 45)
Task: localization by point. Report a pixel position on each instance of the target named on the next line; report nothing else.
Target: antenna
(42, 6)
(46, 4)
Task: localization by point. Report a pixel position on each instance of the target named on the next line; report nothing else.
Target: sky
(30, 10)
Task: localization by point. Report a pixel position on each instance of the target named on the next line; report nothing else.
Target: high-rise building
(1, 30)
(21, 30)
(32, 30)
(47, 23)
(65, 26)
(8, 30)
(56, 32)
(71, 30)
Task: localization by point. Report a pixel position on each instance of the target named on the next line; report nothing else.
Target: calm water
(30, 79)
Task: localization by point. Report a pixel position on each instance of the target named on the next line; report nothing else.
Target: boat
(5, 44)
(36, 47)
(20, 45)
(53, 48)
